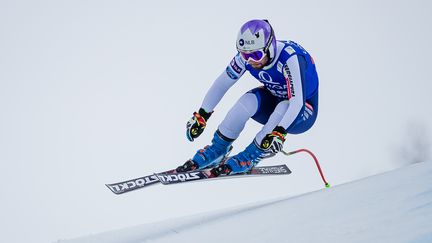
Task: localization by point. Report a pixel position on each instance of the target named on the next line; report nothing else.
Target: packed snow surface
(392, 207)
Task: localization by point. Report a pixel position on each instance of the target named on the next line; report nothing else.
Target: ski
(134, 184)
(174, 178)
(171, 177)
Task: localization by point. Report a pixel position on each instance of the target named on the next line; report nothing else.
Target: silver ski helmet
(255, 39)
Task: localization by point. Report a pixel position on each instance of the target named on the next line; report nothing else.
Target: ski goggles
(255, 56)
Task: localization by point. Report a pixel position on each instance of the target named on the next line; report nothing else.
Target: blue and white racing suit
(288, 97)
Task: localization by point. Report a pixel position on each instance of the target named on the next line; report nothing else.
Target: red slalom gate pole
(315, 159)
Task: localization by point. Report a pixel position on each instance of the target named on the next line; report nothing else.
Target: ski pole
(316, 162)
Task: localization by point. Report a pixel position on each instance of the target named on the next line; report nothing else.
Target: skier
(287, 103)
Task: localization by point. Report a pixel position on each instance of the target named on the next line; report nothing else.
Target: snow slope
(392, 207)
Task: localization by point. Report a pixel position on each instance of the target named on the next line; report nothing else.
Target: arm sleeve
(291, 71)
(223, 83)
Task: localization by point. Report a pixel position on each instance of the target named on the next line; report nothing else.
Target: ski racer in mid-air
(286, 103)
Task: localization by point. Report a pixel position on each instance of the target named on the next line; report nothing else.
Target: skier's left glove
(195, 126)
(273, 142)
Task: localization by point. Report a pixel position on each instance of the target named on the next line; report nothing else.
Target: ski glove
(195, 126)
(273, 142)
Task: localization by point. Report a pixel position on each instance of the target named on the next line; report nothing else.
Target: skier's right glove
(195, 126)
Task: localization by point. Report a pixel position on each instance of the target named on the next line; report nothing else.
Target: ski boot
(210, 155)
(244, 161)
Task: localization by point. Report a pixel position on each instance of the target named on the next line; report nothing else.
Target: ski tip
(327, 185)
(113, 190)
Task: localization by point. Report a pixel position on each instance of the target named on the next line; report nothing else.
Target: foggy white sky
(93, 92)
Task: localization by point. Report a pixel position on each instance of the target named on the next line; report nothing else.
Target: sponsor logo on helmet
(249, 42)
(241, 42)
